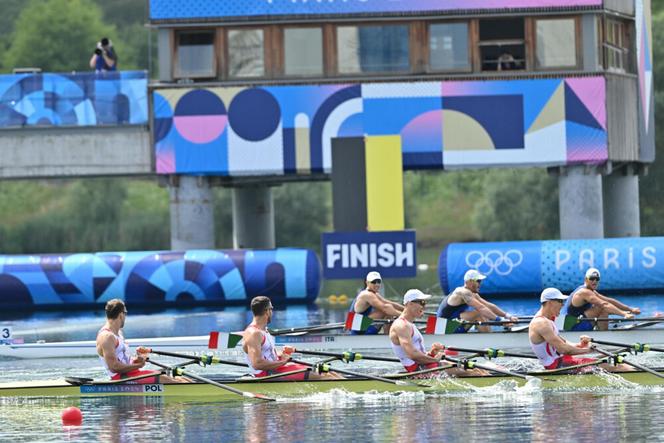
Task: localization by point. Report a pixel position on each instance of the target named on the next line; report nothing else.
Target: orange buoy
(72, 416)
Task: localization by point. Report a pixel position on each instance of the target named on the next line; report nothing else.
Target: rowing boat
(503, 340)
(203, 391)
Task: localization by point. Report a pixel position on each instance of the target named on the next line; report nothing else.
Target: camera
(97, 51)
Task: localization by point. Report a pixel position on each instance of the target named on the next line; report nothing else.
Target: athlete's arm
(544, 330)
(107, 345)
(253, 341)
(404, 337)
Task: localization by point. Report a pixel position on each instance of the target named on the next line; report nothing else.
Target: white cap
(373, 275)
(552, 294)
(592, 272)
(415, 294)
(473, 274)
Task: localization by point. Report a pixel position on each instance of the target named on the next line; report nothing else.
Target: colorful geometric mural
(86, 99)
(288, 129)
(191, 9)
(159, 277)
(643, 21)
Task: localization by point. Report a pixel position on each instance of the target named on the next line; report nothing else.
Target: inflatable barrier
(159, 278)
(626, 264)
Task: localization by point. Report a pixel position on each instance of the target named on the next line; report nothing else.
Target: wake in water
(341, 398)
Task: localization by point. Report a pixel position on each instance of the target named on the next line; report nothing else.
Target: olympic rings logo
(501, 262)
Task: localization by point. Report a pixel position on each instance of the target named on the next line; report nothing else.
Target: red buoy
(72, 416)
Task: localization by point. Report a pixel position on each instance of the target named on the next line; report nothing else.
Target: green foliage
(57, 35)
(651, 186)
(518, 204)
(302, 213)
(10, 10)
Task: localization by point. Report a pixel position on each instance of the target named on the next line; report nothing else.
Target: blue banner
(78, 99)
(626, 264)
(159, 278)
(354, 254)
(178, 9)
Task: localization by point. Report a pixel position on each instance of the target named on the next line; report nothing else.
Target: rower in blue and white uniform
(370, 303)
(457, 304)
(585, 301)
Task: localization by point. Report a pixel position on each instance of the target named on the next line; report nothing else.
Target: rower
(115, 354)
(407, 341)
(585, 301)
(370, 303)
(458, 304)
(551, 349)
(262, 356)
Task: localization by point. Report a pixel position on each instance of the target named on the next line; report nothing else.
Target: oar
(636, 347)
(348, 356)
(620, 359)
(491, 353)
(471, 365)
(621, 320)
(362, 375)
(317, 328)
(599, 361)
(637, 325)
(179, 371)
(203, 359)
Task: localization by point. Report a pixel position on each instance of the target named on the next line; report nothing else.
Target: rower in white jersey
(114, 352)
(407, 341)
(262, 356)
(551, 349)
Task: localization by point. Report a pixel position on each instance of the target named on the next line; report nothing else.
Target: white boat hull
(332, 342)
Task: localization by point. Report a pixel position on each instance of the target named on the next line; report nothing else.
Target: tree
(652, 185)
(519, 204)
(57, 35)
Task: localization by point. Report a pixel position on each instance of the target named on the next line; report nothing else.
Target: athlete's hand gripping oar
(617, 358)
(636, 347)
(327, 368)
(179, 371)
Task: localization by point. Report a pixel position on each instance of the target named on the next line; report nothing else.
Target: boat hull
(281, 389)
(328, 342)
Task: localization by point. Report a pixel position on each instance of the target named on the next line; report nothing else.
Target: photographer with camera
(104, 57)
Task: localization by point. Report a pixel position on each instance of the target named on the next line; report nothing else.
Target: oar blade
(258, 396)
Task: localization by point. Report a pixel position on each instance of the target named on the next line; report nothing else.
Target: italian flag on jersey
(357, 322)
(223, 340)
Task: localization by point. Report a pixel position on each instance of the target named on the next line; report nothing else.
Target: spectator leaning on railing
(104, 57)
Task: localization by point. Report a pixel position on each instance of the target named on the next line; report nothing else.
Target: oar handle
(206, 359)
(637, 347)
(348, 356)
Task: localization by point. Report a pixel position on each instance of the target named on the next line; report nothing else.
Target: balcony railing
(73, 100)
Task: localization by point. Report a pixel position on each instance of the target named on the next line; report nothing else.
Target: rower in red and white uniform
(551, 349)
(115, 354)
(259, 346)
(407, 341)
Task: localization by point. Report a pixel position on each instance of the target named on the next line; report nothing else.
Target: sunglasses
(375, 282)
(420, 302)
(593, 278)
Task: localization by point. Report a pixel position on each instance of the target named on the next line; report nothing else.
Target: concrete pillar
(621, 203)
(253, 217)
(192, 213)
(580, 203)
